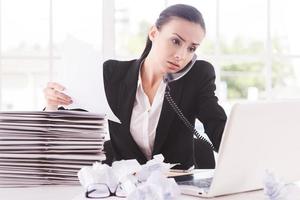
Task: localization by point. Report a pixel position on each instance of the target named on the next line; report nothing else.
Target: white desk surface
(61, 192)
(77, 193)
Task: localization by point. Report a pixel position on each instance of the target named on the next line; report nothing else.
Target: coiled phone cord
(183, 118)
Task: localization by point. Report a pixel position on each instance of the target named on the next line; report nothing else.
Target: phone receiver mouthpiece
(169, 77)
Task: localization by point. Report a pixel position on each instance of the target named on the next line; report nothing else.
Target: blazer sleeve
(209, 112)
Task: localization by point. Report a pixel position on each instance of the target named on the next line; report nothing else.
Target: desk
(77, 193)
(64, 192)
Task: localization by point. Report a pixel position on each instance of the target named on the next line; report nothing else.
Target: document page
(82, 75)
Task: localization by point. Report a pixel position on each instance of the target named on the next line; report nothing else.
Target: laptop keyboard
(201, 183)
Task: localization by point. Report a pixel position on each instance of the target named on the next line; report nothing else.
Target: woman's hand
(54, 96)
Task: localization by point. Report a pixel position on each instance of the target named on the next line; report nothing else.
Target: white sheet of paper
(82, 75)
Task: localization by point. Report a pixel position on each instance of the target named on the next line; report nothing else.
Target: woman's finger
(61, 95)
(56, 103)
(54, 93)
(55, 100)
(55, 86)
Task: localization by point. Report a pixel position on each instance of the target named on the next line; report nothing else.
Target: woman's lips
(173, 65)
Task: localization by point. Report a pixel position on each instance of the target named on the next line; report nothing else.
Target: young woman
(137, 93)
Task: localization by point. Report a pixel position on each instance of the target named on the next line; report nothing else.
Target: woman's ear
(153, 33)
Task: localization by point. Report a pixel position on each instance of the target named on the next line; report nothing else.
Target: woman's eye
(192, 49)
(176, 41)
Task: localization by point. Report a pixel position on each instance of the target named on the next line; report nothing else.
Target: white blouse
(144, 118)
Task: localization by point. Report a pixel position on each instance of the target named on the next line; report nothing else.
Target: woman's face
(174, 45)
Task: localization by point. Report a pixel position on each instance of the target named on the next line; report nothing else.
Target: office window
(286, 84)
(285, 31)
(132, 21)
(82, 20)
(253, 45)
(32, 33)
(285, 49)
(24, 52)
(24, 28)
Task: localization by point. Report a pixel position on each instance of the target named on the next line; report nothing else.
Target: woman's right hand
(54, 96)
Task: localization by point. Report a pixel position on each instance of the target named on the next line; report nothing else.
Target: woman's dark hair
(183, 11)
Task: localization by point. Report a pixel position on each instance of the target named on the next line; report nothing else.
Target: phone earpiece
(169, 77)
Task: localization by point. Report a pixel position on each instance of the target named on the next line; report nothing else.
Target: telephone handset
(169, 77)
(175, 76)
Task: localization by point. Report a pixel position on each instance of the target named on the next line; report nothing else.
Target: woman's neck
(149, 73)
(151, 78)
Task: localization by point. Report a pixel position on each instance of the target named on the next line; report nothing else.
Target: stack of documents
(41, 148)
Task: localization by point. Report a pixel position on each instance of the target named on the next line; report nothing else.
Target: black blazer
(193, 93)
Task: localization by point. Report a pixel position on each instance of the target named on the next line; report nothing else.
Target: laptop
(258, 136)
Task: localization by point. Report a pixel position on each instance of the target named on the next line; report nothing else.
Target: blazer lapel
(125, 103)
(166, 117)
(127, 93)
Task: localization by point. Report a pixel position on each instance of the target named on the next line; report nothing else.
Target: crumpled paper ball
(140, 182)
(123, 168)
(98, 173)
(156, 164)
(276, 189)
(156, 187)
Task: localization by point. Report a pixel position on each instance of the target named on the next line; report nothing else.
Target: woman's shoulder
(118, 63)
(203, 67)
(117, 66)
(201, 75)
